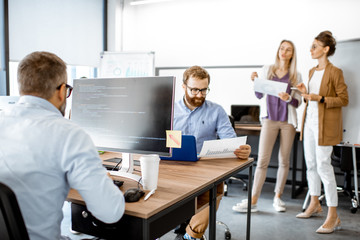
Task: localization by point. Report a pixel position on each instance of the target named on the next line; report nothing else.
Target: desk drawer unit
(130, 227)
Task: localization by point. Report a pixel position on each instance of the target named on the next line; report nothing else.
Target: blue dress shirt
(42, 156)
(207, 122)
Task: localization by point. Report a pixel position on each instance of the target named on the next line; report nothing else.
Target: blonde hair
(292, 65)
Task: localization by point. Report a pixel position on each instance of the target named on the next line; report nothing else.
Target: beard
(194, 101)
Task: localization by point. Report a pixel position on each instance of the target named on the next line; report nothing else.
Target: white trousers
(318, 163)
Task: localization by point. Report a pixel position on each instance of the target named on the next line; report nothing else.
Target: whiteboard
(347, 58)
(127, 64)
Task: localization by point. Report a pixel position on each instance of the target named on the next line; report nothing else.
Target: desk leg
(296, 191)
(294, 167)
(212, 213)
(248, 221)
(355, 175)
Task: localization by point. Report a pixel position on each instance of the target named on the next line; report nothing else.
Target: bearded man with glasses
(194, 115)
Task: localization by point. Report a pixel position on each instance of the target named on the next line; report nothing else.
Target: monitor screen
(125, 114)
(246, 114)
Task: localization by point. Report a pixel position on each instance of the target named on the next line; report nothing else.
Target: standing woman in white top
(325, 95)
(278, 117)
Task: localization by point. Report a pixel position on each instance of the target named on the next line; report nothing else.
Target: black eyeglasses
(195, 91)
(68, 89)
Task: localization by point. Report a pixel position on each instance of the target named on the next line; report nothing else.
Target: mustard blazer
(334, 89)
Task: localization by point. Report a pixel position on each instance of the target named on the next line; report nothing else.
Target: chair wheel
(245, 188)
(225, 193)
(227, 235)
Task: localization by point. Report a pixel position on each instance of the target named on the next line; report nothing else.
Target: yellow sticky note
(173, 139)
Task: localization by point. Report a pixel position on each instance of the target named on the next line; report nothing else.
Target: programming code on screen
(125, 114)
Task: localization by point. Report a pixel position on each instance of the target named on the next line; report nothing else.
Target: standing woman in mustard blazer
(325, 95)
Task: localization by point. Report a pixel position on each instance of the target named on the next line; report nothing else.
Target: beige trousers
(269, 132)
(199, 222)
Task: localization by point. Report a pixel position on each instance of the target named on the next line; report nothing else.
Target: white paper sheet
(221, 148)
(269, 87)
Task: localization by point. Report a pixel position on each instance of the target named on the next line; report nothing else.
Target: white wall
(234, 32)
(71, 29)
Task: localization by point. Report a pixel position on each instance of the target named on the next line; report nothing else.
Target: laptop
(246, 114)
(187, 152)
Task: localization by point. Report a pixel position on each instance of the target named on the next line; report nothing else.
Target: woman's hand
(285, 96)
(254, 75)
(301, 87)
(312, 97)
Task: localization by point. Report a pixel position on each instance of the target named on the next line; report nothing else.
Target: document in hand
(269, 87)
(222, 148)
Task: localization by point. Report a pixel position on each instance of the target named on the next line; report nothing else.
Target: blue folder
(187, 152)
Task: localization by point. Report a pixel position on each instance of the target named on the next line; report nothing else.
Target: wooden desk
(181, 186)
(245, 129)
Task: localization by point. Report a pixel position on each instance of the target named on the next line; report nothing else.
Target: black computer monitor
(128, 115)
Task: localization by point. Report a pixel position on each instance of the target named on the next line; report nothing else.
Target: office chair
(341, 157)
(12, 226)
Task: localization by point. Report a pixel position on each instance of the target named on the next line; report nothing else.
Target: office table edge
(190, 196)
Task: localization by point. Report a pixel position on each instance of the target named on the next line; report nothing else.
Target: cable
(117, 165)
(139, 182)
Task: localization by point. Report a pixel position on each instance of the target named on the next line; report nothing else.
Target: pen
(149, 194)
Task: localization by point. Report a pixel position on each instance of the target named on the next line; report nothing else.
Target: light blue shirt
(207, 122)
(42, 156)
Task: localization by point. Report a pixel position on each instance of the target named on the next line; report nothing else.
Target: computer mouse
(133, 194)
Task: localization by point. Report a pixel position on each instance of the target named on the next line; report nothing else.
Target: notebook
(187, 152)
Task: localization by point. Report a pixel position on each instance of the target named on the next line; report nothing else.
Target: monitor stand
(127, 164)
(127, 168)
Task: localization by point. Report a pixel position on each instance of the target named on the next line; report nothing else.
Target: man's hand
(243, 151)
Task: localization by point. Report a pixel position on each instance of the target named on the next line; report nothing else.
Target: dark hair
(40, 73)
(327, 39)
(195, 72)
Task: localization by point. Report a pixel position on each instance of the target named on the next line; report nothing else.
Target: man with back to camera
(194, 115)
(43, 155)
